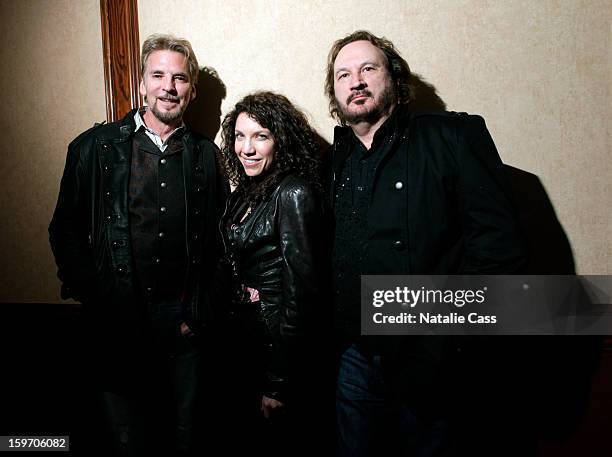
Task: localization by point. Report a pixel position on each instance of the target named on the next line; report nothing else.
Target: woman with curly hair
(273, 231)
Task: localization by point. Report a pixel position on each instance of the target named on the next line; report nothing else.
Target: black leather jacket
(90, 234)
(278, 251)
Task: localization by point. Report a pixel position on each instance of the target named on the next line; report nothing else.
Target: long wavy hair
(396, 65)
(295, 145)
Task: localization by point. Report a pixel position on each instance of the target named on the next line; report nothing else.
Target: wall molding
(121, 54)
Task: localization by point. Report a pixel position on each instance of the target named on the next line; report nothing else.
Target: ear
(193, 92)
(143, 90)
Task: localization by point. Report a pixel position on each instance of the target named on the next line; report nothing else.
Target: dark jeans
(372, 423)
(155, 412)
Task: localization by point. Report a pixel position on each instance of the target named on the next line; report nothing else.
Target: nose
(247, 148)
(169, 85)
(357, 82)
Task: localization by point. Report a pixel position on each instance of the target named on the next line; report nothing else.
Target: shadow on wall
(557, 372)
(425, 96)
(204, 113)
(549, 247)
(537, 388)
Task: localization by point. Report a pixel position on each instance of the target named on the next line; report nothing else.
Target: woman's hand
(269, 405)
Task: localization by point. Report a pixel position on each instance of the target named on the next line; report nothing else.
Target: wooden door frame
(121, 55)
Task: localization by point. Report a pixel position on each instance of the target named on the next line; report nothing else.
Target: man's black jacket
(90, 234)
(442, 178)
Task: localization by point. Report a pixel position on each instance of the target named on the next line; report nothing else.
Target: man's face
(167, 86)
(363, 86)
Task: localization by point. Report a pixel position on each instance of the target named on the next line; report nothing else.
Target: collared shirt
(162, 145)
(352, 227)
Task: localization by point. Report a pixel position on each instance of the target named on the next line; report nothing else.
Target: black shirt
(352, 230)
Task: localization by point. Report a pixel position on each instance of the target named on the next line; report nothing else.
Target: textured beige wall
(52, 84)
(539, 72)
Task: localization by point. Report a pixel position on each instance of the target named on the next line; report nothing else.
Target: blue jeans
(371, 422)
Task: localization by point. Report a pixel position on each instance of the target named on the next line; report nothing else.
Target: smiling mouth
(169, 100)
(250, 162)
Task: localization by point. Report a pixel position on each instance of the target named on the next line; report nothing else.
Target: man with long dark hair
(413, 193)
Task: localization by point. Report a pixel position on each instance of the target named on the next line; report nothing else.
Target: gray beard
(168, 117)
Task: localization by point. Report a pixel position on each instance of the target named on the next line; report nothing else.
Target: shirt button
(163, 184)
(399, 244)
(157, 260)
(163, 161)
(399, 185)
(161, 234)
(163, 209)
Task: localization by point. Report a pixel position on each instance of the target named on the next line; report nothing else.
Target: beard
(168, 117)
(388, 98)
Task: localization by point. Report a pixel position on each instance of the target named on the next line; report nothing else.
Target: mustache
(358, 93)
(171, 98)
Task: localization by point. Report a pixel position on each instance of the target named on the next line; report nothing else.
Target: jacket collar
(343, 136)
(127, 127)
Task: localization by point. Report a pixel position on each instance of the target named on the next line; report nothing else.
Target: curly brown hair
(295, 145)
(396, 65)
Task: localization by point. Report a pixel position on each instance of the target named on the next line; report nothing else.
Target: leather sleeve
(300, 221)
(69, 231)
(300, 231)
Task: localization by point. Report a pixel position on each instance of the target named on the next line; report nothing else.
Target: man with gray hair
(135, 239)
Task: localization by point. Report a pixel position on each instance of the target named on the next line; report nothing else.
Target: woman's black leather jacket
(278, 250)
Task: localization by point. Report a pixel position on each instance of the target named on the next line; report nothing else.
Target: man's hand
(268, 405)
(185, 330)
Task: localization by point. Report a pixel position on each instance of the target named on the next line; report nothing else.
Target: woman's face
(254, 146)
